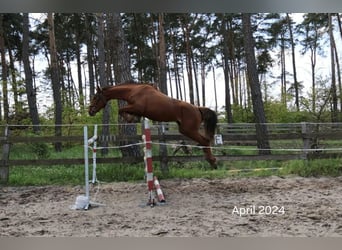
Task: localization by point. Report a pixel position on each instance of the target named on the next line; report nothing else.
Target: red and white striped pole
(160, 194)
(148, 161)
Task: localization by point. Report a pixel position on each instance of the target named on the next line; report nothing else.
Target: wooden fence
(287, 141)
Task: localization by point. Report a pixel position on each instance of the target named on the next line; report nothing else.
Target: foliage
(196, 44)
(277, 112)
(242, 114)
(320, 111)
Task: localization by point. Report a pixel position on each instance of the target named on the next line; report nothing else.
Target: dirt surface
(270, 206)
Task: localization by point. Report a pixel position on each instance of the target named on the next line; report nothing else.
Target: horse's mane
(129, 82)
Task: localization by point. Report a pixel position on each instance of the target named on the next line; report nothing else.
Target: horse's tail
(210, 121)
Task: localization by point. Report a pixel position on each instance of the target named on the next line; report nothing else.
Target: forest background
(51, 63)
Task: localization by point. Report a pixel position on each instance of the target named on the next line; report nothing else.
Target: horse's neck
(118, 92)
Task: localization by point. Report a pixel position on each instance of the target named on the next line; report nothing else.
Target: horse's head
(98, 102)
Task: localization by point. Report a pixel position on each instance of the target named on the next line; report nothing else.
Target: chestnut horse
(147, 101)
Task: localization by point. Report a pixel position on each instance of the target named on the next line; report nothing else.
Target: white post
(94, 155)
(83, 201)
(86, 162)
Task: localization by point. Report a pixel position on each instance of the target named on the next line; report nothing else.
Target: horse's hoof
(213, 163)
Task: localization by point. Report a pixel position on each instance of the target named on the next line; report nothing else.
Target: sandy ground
(272, 206)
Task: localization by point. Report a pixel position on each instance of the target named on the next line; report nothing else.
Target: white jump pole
(160, 194)
(94, 140)
(86, 165)
(83, 201)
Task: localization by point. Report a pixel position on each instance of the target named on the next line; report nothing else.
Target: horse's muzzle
(91, 112)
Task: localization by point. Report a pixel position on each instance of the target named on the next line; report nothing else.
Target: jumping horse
(147, 101)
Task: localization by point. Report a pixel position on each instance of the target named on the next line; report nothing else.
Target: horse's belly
(160, 117)
(162, 109)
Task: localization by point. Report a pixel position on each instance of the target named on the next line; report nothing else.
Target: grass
(315, 168)
(74, 174)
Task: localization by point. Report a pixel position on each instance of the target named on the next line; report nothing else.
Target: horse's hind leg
(203, 141)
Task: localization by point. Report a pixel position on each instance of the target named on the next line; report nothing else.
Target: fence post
(306, 136)
(4, 166)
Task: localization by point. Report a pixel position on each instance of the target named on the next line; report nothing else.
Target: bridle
(102, 98)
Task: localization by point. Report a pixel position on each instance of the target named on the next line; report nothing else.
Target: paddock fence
(233, 142)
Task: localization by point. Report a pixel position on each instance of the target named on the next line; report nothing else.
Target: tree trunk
(30, 91)
(163, 88)
(186, 32)
(258, 107)
(228, 105)
(162, 56)
(203, 75)
(283, 72)
(90, 55)
(122, 73)
(293, 52)
(4, 71)
(14, 83)
(176, 67)
(339, 77)
(102, 77)
(225, 64)
(195, 69)
(313, 77)
(79, 73)
(339, 23)
(55, 81)
(226, 71)
(334, 117)
(215, 89)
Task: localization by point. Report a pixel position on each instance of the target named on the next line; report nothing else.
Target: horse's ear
(98, 88)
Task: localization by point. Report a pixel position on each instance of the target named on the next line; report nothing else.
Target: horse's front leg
(128, 113)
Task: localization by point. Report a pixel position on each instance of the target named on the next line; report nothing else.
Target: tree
(102, 75)
(55, 79)
(228, 68)
(162, 56)
(176, 64)
(122, 73)
(312, 27)
(278, 30)
(162, 85)
(296, 84)
(30, 91)
(334, 117)
(4, 74)
(78, 21)
(89, 24)
(140, 34)
(339, 77)
(187, 22)
(253, 80)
